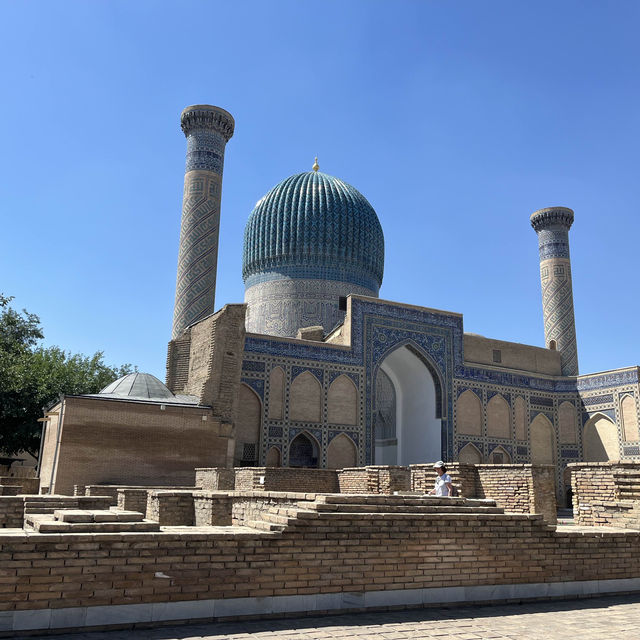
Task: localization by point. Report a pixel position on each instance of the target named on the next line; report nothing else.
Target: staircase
(278, 518)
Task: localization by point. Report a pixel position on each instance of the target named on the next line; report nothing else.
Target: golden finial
(316, 166)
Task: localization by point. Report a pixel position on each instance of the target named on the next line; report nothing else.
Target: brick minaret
(552, 226)
(208, 129)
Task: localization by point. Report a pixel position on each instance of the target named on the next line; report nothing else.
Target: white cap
(438, 464)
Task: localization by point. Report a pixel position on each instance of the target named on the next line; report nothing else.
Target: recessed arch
(500, 456)
(342, 452)
(498, 417)
(248, 427)
(342, 401)
(305, 404)
(274, 458)
(470, 454)
(304, 451)
(418, 432)
(543, 441)
(469, 414)
(600, 439)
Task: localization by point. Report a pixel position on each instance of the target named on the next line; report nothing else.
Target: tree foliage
(33, 376)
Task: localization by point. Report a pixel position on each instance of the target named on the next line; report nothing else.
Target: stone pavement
(587, 619)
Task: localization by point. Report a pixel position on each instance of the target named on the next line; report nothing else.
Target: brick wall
(286, 479)
(133, 500)
(601, 490)
(212, 509)
(249, 507)
(24, 485)
(318, 553)
(380, 479)
(215, 479)
(171, 508)
(11, 512)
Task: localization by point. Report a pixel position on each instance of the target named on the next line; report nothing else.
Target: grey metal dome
(142, 386)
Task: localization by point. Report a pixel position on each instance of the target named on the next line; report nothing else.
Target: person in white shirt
(443, 486)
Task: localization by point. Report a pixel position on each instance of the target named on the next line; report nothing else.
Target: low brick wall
(24, 485)
(133, 499)
(603, 492)
(11, 512)
(171, 508)
(321, 561)
(212, 509)
(286, 479)
(215, 479)
(380, 479)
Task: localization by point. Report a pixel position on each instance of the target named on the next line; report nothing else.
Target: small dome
(312, 225)
(138, 385)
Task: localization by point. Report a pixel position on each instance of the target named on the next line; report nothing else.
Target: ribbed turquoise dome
(314, 226)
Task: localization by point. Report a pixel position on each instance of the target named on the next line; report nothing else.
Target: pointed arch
(500, 456)
(600, 439)
(543, 441)
(304, 451)
(629, 414)
(425, 358)
(273, 459)
(498, 417)
(276, 393)
(470, 454)
(248, 427)
(305, 404)
(342, 452)
(520, 415)
(342, 401)
(469, 414)
(567, 423)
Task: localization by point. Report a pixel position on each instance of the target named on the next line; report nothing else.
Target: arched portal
(600, 439)
(303, 451)
(414, 434)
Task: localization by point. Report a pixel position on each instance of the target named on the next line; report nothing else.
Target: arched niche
(342, 401)
(304, 451)
(600, 439)
(470, 454)
(469, 414)
(520, 414)
(499, 456)
(248, 427)
(629, 415)
(498, 417)
(276, 394)
(418, 408)
(543, 442)
(273, 459)
(567, 423)
(305, 404)
(342, 453)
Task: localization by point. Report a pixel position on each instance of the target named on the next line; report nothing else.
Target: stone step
(43, 523)
(265, 526)
(97, 515)
(372, 508)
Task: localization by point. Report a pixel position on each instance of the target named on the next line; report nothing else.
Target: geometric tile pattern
(552, 226)
(207, 130)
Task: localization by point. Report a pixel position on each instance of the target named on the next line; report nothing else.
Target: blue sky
(455, 119)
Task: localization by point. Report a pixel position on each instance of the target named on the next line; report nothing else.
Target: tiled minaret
(208, 129)
(552, 226)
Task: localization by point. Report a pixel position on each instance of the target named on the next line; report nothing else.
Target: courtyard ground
(585, 619)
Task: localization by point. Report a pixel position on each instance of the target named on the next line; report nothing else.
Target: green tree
(33, 376)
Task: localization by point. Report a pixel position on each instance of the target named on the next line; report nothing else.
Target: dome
(138, 386)
(314, 226)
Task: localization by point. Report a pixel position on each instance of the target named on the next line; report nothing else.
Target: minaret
(552, 226)
(208, 129)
